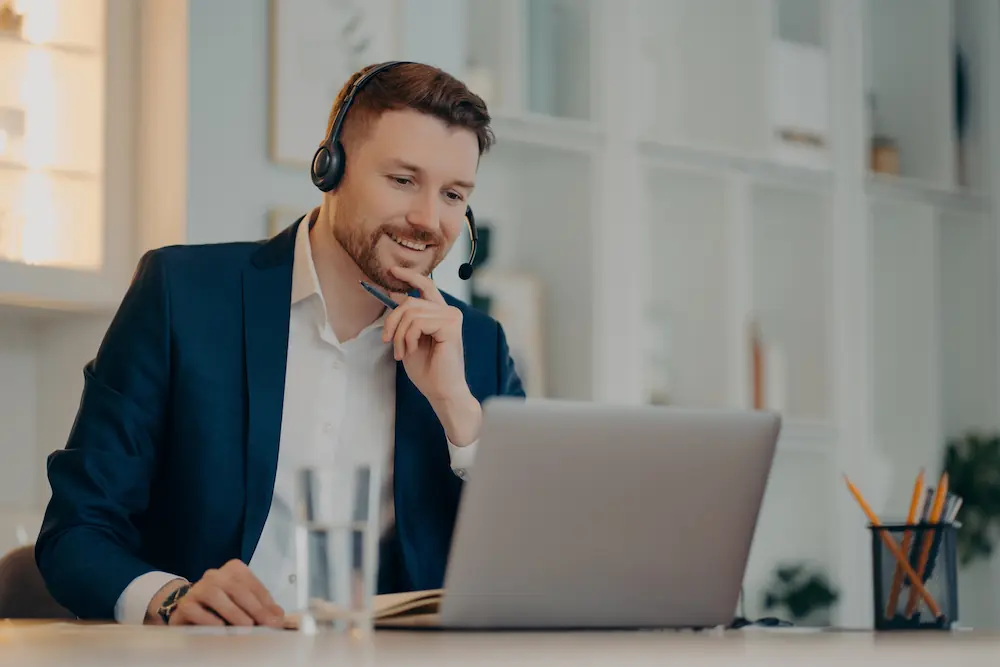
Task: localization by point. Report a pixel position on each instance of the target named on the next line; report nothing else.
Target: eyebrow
(402, 164)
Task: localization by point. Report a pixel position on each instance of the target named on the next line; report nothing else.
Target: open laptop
(583, 515)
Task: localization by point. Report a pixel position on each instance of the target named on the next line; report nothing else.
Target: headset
(329, 161)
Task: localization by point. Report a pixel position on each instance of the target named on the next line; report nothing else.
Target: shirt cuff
(134, 600)
(462, 458)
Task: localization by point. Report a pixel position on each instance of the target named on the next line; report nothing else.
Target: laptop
(580, 515)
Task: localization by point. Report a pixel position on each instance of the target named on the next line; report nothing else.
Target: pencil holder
(930, 551)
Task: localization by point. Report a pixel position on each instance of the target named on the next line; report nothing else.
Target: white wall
(41, 377)
(231, 184)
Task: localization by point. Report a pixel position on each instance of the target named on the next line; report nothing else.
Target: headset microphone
(465, 271)
(330, 160)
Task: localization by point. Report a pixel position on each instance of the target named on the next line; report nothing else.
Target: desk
(56, 644)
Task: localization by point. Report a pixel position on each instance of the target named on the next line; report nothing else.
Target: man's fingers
(219, 601)
(260, 612)
(411, 340)
(192, 613)
(428, 289)
(399, 335)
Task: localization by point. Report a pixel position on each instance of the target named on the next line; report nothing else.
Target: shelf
(721, 163)
(530, 56)
(72, 174)
(548, 132)
(791, 291)
(35, 289)
(901, 189)
(535, 203)
(688, 318)
(75, 49)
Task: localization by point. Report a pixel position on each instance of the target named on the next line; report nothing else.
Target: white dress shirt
(339, 403)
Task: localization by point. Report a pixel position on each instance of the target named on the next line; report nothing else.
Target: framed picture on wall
(314, 47)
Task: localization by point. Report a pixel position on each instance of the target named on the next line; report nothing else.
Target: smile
(412, 245)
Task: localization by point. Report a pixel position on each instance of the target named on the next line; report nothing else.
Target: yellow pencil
(935, 516)
(911, 517)
(894, 548)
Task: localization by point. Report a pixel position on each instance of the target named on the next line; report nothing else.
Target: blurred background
(779, 204)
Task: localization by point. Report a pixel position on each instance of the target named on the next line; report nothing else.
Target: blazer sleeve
(87, 549)
(509, 381)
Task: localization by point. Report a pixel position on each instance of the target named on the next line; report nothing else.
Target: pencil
(935, 517)
(894, 548)
(911, 517)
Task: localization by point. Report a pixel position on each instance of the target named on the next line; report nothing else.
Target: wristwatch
(169, 605)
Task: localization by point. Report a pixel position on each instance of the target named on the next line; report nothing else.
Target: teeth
(412, 245)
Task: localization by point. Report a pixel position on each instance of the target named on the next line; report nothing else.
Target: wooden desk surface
(32, 644)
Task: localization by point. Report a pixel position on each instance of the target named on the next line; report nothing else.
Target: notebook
(413, 609)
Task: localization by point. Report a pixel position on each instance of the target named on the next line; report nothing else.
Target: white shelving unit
(675, 170)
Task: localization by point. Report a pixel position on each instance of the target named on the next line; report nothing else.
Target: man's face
(402, 201)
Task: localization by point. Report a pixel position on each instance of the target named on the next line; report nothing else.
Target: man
(226, 365)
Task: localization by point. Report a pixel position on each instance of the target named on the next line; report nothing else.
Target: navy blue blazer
(171, 460)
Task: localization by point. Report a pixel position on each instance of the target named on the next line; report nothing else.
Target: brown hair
(414, 86)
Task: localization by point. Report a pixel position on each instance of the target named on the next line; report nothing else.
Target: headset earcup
(328, 167)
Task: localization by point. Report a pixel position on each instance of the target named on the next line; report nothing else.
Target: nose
(424, 213)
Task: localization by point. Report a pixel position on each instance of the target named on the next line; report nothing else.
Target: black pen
(389, 303)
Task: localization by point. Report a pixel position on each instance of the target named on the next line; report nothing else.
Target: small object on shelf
(757, 370)
(885, 156)
(769, 373)
(11, 22)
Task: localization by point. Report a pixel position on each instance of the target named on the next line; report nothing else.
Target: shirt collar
(305, 281)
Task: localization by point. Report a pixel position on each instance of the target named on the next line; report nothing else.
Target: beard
(349, 232)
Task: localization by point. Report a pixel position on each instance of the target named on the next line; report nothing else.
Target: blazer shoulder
(200, 266)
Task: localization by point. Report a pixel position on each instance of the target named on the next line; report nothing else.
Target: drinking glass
(336, 545)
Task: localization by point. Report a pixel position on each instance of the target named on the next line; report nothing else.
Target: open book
(414, 609)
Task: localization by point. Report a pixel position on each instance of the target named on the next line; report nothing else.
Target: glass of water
(336, 545)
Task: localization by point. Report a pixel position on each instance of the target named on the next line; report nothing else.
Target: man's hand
(426, 334)
(230, 595)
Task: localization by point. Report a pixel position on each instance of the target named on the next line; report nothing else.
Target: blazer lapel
(267, 288)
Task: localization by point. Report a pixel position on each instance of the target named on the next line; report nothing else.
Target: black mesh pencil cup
(930, 551)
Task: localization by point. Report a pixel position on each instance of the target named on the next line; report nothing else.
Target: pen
(389, 303)
(894, 548)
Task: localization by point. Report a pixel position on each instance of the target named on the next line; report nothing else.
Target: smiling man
(227, 366)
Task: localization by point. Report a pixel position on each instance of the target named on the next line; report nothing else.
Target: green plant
(799, 590)
(972, 462)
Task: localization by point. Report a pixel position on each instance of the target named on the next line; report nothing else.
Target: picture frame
(313, 48)
(517, 302)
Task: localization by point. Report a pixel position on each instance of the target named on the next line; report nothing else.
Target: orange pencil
(911, 517)
(894, 548)
(935, 516)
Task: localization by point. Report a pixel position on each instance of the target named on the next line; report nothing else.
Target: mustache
(408, 234)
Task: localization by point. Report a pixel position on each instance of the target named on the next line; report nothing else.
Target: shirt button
(337, 363)
(291, 578)
(327, 428)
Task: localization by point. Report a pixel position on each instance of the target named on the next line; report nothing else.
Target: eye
(454, 196)
(401, 180)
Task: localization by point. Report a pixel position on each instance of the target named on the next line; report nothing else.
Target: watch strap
(169, 604)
